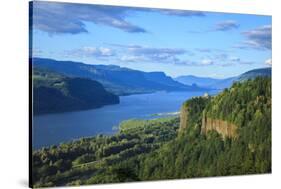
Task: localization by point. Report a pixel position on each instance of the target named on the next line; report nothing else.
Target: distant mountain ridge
(261, 72)
(119, 80)
(207, 82)
(213, 83)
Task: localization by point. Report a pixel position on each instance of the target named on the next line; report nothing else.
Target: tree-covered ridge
(193, 109)
(102, 159)
(242, 102)
(53, 92)
(196, 155)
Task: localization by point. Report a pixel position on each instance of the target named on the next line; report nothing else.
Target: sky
(177, 42)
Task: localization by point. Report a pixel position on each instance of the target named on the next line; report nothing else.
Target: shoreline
(115, 130)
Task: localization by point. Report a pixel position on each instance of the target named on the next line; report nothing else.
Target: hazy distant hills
(262, 72)
(125, 81)
(53, 92)
(212, 83)
(206, 81)
(120, 81)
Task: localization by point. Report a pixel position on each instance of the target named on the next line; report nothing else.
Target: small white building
(206, 95)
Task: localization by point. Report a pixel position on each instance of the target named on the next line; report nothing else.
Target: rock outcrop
(193, 112)
(183, 118)
(226, 129)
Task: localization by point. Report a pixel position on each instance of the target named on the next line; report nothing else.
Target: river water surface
(52, 129)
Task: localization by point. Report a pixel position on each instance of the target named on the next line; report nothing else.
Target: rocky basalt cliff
(226, 129)
(183, 118)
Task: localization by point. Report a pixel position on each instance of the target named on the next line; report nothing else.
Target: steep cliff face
(184, 114)
(191, 114)
(226, 129)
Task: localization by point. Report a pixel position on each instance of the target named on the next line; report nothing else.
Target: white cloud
(90, 52)
(131, 58)
(207, 62)
(258, 38)
(268, 62)
(226, 25)
(60, 18)
(234, 59)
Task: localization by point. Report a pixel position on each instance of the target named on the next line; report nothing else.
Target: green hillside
(193, 154)
(53, 92)
(242, 102)
(102, 159)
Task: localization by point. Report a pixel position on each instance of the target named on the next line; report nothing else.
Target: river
(52, 129)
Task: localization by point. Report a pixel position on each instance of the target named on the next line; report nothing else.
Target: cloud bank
(57, 18)
(95, 52)
(70, 18)
(268, 62)
(259, 38)
(226, 25)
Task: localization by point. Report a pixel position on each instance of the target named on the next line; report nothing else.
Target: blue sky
(174, 41)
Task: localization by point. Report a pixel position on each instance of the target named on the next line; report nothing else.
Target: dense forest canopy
(96, 159)
(192, 154)
(54, 92)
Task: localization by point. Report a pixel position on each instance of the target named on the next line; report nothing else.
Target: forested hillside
(157, 149)
(195, 154)
(102, 159)
(53, 92)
